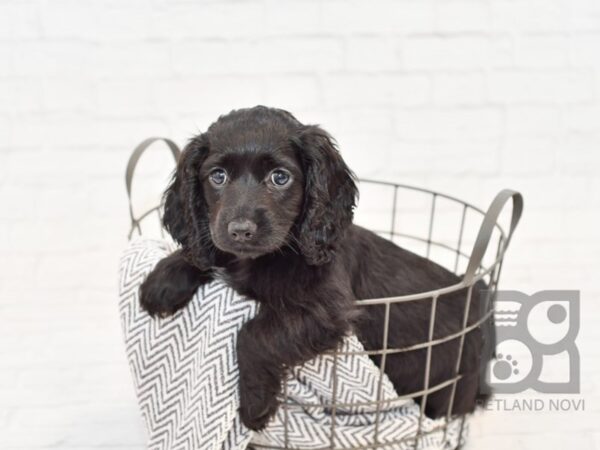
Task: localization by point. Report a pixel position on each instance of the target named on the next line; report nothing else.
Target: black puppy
(270, 201)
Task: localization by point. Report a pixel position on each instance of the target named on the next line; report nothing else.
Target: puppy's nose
(241, 230)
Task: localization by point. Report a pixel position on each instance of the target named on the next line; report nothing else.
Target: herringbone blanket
(185, 374)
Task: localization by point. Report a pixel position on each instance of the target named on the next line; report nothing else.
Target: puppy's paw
(257, 408)
(159, 299)
(170, 286)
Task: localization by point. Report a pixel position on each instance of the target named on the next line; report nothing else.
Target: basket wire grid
(491, 235)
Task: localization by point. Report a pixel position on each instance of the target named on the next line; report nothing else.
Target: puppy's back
(378, 268)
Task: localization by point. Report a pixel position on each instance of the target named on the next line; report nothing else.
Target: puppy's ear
(329, 195)
(186, 211)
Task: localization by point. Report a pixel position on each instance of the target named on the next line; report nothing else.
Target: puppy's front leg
(171, 285)
(274, 341)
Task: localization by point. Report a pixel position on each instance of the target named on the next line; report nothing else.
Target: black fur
(305, 262)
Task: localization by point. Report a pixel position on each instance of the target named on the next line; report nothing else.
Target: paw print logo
(513, 364)
(534, 331)
(505, 367)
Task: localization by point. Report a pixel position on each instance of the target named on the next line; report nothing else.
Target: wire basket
(474, 260)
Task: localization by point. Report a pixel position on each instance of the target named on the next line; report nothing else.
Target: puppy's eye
(280, 177)
(218, 177)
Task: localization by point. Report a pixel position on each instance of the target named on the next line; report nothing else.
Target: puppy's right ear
(186, 212)
(173, 217)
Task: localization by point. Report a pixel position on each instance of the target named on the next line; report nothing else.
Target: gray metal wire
(476, 270)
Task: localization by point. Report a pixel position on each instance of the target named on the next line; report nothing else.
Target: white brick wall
(463, 96)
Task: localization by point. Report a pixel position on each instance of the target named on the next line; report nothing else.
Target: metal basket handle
(487, 228)
(132, 163)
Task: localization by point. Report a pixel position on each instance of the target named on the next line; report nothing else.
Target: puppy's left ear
(329, 195)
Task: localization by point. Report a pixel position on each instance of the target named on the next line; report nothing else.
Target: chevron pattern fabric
(185, 374)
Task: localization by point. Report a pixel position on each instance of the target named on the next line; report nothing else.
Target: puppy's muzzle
(241, 230)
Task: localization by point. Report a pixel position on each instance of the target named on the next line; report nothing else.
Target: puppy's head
(257, 181)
